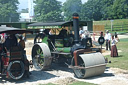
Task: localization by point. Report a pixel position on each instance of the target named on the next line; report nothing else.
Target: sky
(24, 3)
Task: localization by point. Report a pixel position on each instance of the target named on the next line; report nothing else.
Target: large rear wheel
(41, 56)
(16, 69)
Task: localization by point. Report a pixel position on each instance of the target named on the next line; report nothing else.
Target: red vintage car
(13, 61)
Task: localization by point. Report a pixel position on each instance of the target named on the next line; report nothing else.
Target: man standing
(80, 32)
(21, 42)
(108, 40)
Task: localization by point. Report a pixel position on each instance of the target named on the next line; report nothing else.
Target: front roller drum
(89, 65)
(41, 56)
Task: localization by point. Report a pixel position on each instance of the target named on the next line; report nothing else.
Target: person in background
(108, 40)
(114, 52)
(101, 34)
(21, 42)
(50, 32)
(116, 37)
(101, 38)
(93, 37)
(22, 45)
(3, 37)
(85, 34)
(1, 46)
(82, 35)
(81, 32)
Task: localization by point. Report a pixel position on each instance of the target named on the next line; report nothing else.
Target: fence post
(122, 27)
(111, 24)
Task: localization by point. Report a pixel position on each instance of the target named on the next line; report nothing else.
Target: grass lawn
(122, 60)
(81, 83)
(47, 84)
(108, 22)
(120, 25)
(74, 83)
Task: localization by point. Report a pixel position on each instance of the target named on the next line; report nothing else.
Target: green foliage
(8, 11)
(24, 10)
(47, 84)
(87, 11)
(92, 10)
(74, 83)
(105, 9)
(120, 9)
(81, 83)
(48, 10)
(52, 10)
(70, 7)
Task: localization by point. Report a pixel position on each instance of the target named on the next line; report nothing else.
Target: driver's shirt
(10, 43)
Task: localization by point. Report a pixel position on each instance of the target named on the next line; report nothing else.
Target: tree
(8, 10)
(48, 10)
(107, 9)
(70, 7)
(91, 10)
(104, 9)
(115, 9)
(87, 10)
(24, 10)
(97, 7)
(120, 9)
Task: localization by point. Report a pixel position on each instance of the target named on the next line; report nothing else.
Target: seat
(16, 53)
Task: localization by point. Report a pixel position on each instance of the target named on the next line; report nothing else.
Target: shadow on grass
(118, 56)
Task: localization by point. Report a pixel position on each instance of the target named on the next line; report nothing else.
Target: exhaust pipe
(76, 27)
(77, 44)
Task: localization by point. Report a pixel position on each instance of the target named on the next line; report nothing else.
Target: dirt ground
(63, 75)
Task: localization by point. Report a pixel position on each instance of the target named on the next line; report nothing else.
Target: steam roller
(85, 61)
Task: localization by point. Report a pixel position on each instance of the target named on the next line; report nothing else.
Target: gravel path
(63, 75)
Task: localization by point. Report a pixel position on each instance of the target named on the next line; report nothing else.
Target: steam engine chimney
(79, 44)
(76, 27)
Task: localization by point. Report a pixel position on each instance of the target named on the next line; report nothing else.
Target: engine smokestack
(77, 44)
(76, 27)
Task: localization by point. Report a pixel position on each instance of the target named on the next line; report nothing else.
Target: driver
(10, 42)
(21, 42)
